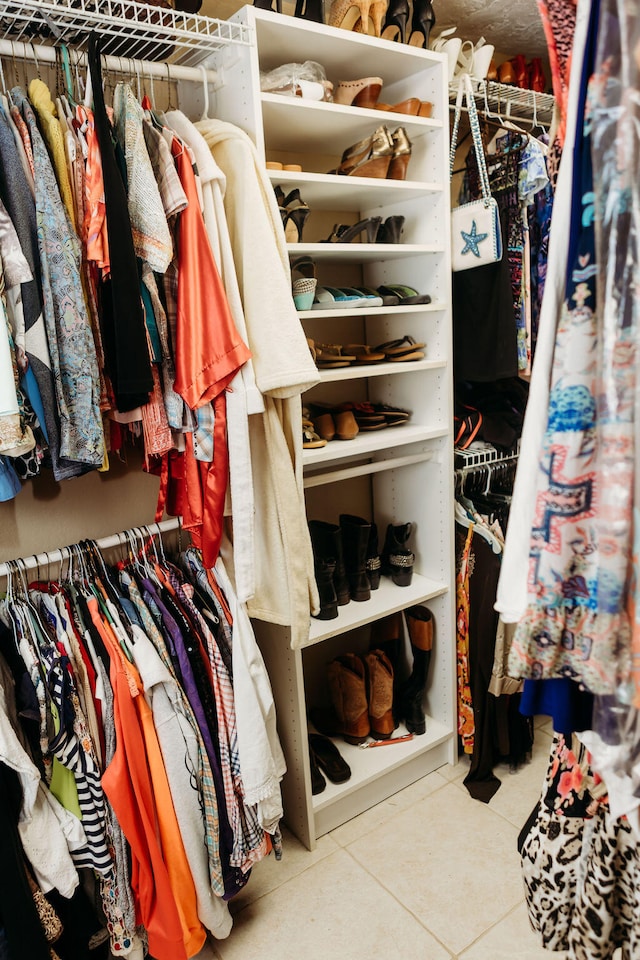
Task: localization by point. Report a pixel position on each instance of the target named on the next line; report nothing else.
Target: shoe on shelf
(326, 541)
(370, 157)
(482, 57)
(535, 76)
(519, 65)
(324, 569)
(309, 10)
(405, 349)
(393, 416)
(371, 297)
(310, 439)
(327, 298)
(379, 680)
(447, 43)
(412, 107)
(303, 286)
(277, 165)
(373, 563)
(364, 353)
(397, 559)
(318, 782)
(405, 296)
(422, 22)
(346, 13)
(410, 699)
(294, 212)
(358, 93)
(395, 23)
(342, 233)
(330, 355)
(335, 422)
(367, 417)
(372, 294)
(401, 155)
(391, 230)
(328, 758)
(506, 73)
(355, 541)
(348, 716)
(492, 72)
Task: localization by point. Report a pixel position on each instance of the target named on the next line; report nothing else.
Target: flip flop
(327, 298)
(407, 296)
(369, 299)
(363, 353)
(387, 301)
(404, 349)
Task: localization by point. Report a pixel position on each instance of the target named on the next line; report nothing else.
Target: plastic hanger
(205, 92)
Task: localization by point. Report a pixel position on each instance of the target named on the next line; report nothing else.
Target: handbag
(476, 238)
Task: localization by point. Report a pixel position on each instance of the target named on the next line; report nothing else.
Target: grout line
(489, 928)
(404, 906)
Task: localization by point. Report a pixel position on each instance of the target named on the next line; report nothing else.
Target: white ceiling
(512, 26)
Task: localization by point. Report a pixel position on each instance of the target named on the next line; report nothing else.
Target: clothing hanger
(205, 93)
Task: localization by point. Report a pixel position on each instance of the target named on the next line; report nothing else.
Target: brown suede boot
(380, 694)
(349, 698)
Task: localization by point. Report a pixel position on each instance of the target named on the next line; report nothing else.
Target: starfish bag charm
(476, 235)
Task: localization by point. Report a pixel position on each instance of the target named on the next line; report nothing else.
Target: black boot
(373, 559)
(411, 695)
(309, 10)
(326, 540)
(355, 540)
(324, 570)
(397, 559)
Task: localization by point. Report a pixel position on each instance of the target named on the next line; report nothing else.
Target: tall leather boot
(411, 695)
(346, 677)
(380, 694)
(326, 540)
(397, 559)
(373, 559)
(355, 541)
(387, 635)
(324, 570)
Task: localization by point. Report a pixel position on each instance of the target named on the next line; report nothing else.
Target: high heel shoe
(395, 24)
(411, 107)
(536, 76)
(294, 212)
(346, 13)
(519, 65)
(308, 10)
(447, 43)
(345, 234)
(304, 285)
(422, 22)
(401, 155)
(266, 5)
(391, 230)
(368, 158)
(358, 93)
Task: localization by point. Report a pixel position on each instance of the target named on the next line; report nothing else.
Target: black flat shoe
(318, 782)
(329, 758)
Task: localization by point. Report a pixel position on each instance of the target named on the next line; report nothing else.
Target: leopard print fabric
(581, 872)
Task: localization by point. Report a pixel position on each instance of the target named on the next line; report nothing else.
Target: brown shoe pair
(361, 691)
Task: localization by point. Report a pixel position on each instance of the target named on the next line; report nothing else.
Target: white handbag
(476, 238)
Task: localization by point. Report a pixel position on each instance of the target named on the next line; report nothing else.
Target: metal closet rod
(149, 68)
(105, 543)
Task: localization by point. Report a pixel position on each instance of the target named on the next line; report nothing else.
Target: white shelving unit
(396, 474)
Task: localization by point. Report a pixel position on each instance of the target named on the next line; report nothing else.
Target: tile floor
(429, 874)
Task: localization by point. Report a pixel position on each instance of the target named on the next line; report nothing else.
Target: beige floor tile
(382, 812)
(334, 911)
(459, 772)
(512, 937)
(450, 860)
(271, 873)
(520, 791)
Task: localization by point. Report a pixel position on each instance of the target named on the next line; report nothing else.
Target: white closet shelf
(371, 764)
(371, 441)
(363, 371)
(279, 40)
(311, 126)
(362, 252)
(374, 312)
(385, 600)
(326, 191)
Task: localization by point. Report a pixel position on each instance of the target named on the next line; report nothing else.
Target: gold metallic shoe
(401, 155)
(368, 158)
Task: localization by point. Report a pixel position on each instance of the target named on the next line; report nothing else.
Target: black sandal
(329, 758)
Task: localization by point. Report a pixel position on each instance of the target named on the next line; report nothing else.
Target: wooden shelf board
(388, 598)
(370, 442)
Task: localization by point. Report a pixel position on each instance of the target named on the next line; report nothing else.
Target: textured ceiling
(512, 26)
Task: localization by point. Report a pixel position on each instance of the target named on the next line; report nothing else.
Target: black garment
(484, 328)
(80, 925)
(502, 404)
(483, 622)
(25, 939)
(125, 337)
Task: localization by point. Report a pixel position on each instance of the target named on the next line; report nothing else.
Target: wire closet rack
(479, 453)
(509, 103)
(128, 28)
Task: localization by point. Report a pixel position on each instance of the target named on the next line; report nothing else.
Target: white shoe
(446, 43)
(482, 55)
